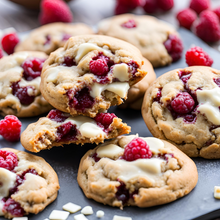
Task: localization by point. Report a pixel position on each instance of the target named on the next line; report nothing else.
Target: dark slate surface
(65, 161)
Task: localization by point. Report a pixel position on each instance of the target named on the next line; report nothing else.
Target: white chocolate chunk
(110, 150)
(100, 214)
(120, 71)
(20, 57)
(30, 92)
(87, 210)
(58, 215)
(217, 192)
(20, 218)
(1, 206)
(71, 207)
(117, 217)
(80, 217)
(154, 144)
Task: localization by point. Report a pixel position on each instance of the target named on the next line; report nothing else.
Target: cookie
(19, 84)
(158, 41)
(117, 173)
(28, 183)
(50, 37)
(182, 107)
(60, 128)
(90, 74)
(137, 91)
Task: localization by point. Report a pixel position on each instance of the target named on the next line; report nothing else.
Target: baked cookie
(182, 107)
(136, 171)
(19, 84)
(137, 91)
(28, 183)
(60, 128)
(157, 40)
(91, 73)
(50, 37)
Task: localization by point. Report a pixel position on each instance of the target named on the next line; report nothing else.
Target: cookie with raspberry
(137, 171)
(28, 183)
(20, 81)
(90, 74)
(50, 37)
(60, 128)
(182, 107)
(158, 41)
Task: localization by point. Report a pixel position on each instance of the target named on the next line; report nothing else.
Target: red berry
(207, 27)
(183, 103)
(99, 67)
(9, 41)
(10, 128)
(129, 24)
(174, 47)
(137, 149)
(8, 160)
(104, 119)
(196, 56)
(54, 11)
(186, 17)
(150, 6)
(165, 5)
(217, 12)
(14, 208)
(124, 6)
(57, 115)
(199, 5)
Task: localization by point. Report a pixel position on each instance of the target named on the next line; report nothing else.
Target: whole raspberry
(10, 128)
(207, 27)
(174, 47)
(129, 24)
(183, 103)
(199, 5)
(150, 6)
(104, 119)
(165, 5)
(196, 56)
(99, 67)
(217, 12)
(186, 17)
(124, 6)
(8, 160)
(137, 149)
(9, 41)
(54, 11)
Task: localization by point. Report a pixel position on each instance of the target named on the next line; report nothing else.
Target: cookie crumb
(80, 217)
(87, 210)
(217, 192)
(58, 215)
(100, 214)
(71, 207)
(20, 218)
(117, 217)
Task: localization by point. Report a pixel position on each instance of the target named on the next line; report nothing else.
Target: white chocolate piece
(117, 217)
(110, 150)
(87, 210)
(80, 217)
(71, 207)
(100, 214)
(20, 57)
(120, 71)
(217, 192)
(154, 144)
(58, 215)
(20, 218)
(1, 207)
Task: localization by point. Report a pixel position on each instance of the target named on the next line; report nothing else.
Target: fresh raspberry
(165, 5)
(196, 56)
(8, 160)
(183, 103)
(174, 47)
(137, 149)
(217, 12)
(32, 68)
(57, 115)
(129, 24)
(199, 5)
(207, 27)
(99, 67)
(14, 208)
(186, 17)
(54, 11)
(9, 41)
(1, 53)
(104, 119)
(150, 6)
(10, 128)
(124, 6)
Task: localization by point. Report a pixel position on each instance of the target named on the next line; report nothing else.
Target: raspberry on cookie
(28, 183)
(137, 171)
(90, 74)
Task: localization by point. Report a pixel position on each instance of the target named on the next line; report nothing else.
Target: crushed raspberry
(10, 128)
(99, 67)
(217, 81)
(68, 61)
(196, 56)
(124, 6)
(32, 68)
(22, 93)
(95, 157)
(48, 40)
(66, 132)
(159, 94)
(186, 17)
(57, 115)
(174, 47)
(199, 5)
(137, 149)
(1, 53)
(184, 76)
(183, 103)
(190, 118)
(131, 23)
(14, 208)
(207, 27)
(132, 67)
(104, 119)
(150, 6)
(8, 160)
(9, 41)
(165, 5)
(66, 37)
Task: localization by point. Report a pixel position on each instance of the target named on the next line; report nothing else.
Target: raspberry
(104, 119)
(199, 5)
(10, 128)
(14, 208)
(54, 11)
(57, 115)
(66, 37)
(48, 40)
(207, 27)
(8, 160)
(32, 68)
(186, 17)
(217, 81)
(217, 12)
(196, 56)
(124, 6)
(150, 6)
(165, 5)
(69, 62)
(1, 53)
(183, 103)
(129, 24)
(99, 67)
(174, 47)
(137, 149)
(66, 132)
(185, 76)
(132, 67)
(9, 41)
